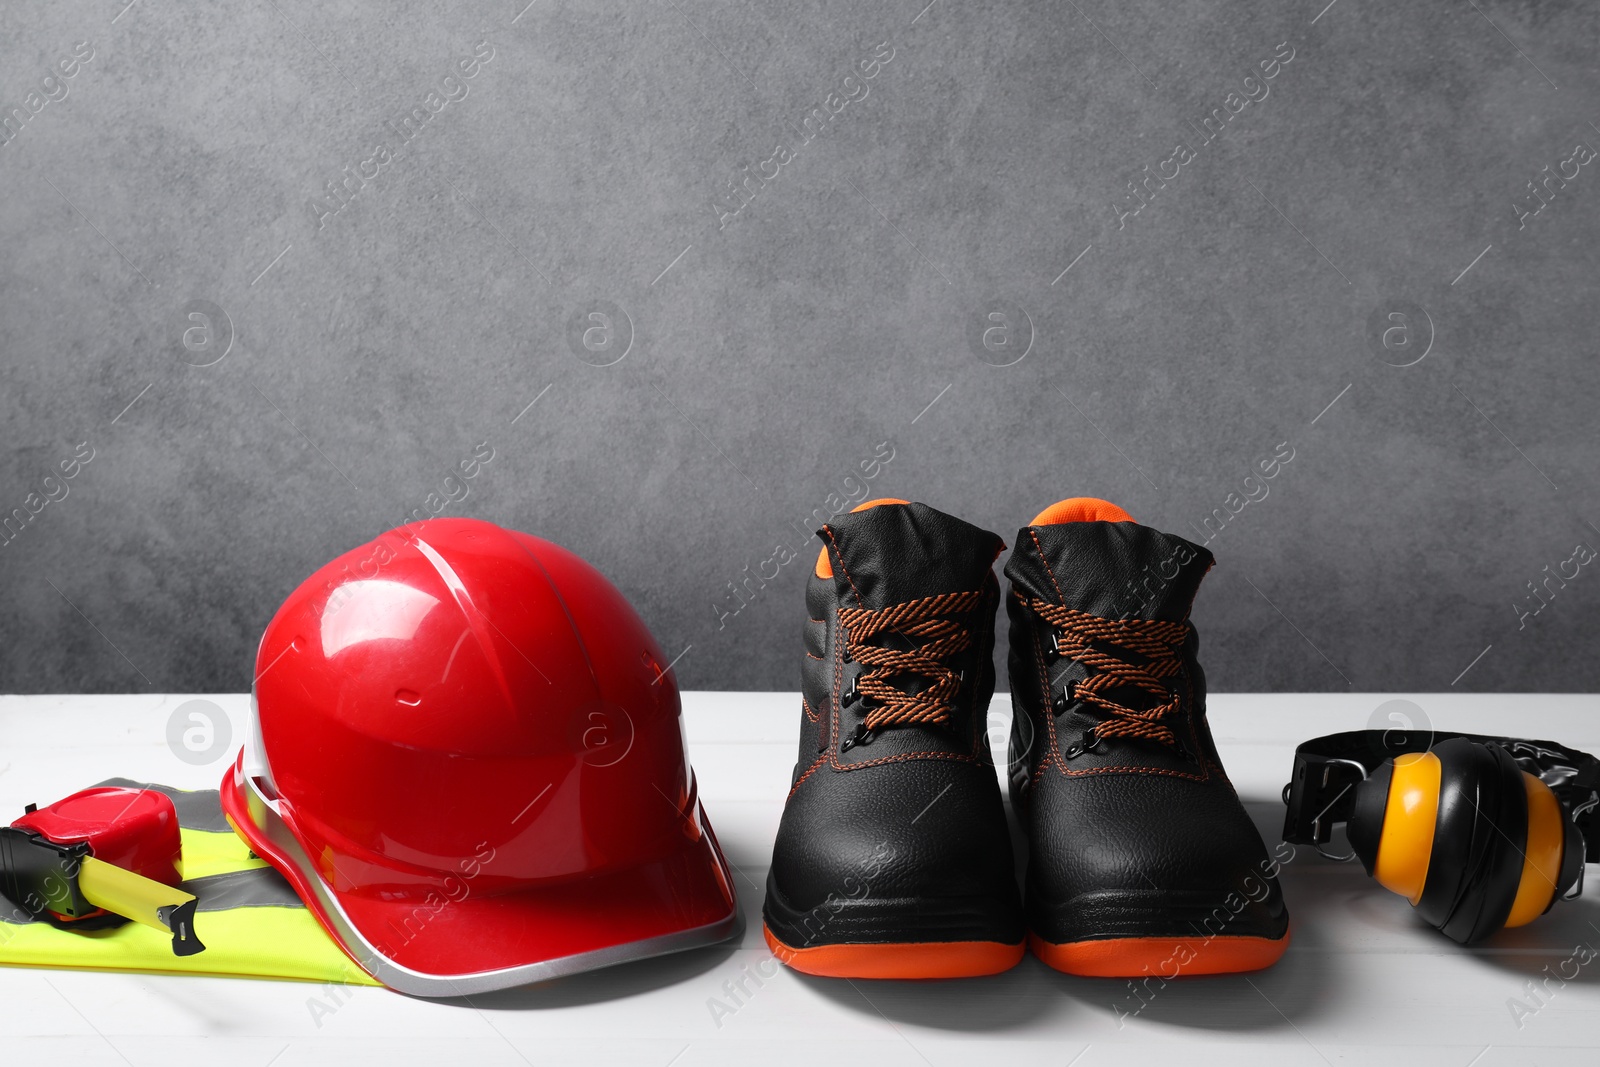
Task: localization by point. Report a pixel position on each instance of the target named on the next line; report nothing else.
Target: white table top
(1362, 982)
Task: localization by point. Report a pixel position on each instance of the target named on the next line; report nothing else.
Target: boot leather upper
(1132, 837)
(923, 795)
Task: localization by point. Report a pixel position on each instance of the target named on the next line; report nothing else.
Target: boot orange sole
(925, 959)
(1163, 957)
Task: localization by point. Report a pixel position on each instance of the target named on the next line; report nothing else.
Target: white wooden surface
(1362, 982)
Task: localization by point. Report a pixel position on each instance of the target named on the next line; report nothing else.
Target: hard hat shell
(467, 756)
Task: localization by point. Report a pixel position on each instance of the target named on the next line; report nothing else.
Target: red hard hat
(468, 758)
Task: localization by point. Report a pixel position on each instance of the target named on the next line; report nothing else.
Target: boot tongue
(1089, 555)
(894, 552)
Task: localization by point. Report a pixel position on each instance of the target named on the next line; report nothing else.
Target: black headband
(1321, 791)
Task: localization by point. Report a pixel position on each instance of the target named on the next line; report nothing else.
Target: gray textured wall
(352, 345)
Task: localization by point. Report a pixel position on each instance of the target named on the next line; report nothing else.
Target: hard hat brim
(438, 945)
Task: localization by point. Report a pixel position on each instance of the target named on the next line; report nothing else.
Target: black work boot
(1143, 861)
(893, 858)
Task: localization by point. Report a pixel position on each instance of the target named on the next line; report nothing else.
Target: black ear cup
(1463, 833)
(1479, 839)
(1478, 832)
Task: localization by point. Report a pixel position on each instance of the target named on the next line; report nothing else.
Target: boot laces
(936, 638)
(1101, 646)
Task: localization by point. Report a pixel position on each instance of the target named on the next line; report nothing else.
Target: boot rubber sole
(1162, 957)
(912, 959)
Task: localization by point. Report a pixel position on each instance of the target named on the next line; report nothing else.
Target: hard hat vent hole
(407, 697)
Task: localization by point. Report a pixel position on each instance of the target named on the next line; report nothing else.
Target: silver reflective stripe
(259, 887)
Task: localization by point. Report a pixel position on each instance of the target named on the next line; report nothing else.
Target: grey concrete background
(356, 355)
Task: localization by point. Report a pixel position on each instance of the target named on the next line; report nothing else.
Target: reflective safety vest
(249, 918)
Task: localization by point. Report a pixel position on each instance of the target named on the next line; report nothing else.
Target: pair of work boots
(893, 859)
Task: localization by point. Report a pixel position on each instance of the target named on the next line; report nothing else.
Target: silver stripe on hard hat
(417, 983)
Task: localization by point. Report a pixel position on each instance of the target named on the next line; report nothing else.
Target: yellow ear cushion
(1406, 843)
(1541, 859)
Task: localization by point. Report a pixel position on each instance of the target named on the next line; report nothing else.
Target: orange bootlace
(918, 620)
(1158, 641)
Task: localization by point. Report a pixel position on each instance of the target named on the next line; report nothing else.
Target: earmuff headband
(1322, 789)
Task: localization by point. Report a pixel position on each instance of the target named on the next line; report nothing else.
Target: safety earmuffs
(1477, 832)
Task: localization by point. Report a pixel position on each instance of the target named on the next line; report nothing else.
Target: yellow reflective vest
(248, 916)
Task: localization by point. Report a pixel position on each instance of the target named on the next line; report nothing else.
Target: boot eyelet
(862, 737)
(1089, 743)
(1064, 701)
